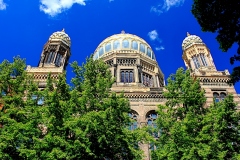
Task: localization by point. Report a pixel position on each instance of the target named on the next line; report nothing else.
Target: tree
(220, 136)
(101, 115)
(18, 122)
(221, 17)
(190, 131)
(178, 120)
(85, 121)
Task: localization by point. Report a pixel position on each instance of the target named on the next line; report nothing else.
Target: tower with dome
(198, 59)
(54, 58)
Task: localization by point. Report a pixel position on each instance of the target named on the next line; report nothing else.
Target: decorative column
(158, 85)
(115, 72)
(139, 67)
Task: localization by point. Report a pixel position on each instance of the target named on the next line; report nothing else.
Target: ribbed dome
(62, 36)
(128, 43)
(190, 40)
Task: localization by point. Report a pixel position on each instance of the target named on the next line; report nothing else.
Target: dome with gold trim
(190, 40)
(123, 43)
(62, 36)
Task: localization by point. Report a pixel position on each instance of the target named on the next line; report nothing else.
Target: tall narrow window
(134, 117)
(222, 95)
(134, 45)
(153, 56)
(149, 52)
(116, 44)
(131, 76)
(101, 51)
(216, 97)
(204, 62)
(147, 80)
(142, 47)
(151, 118)
(127, 76)
(50, 57)
(196, 62)
(58, 60)
(125, 44)
(108, 47)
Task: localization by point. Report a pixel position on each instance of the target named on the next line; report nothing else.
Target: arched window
(142, 48)
(125, 44)
(222, 95)
(216, 97)
(219, 97)
(204, 62)
(116, 44)
(153, 56)
(50, 57)
(101, 51)
(108, 47)
(134, 45)
(151, 118)
(127, 76)
(149, 52)
(196, 62)
(134, 117)
(58, 60)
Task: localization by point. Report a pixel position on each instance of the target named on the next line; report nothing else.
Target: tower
(54, 58)
(137, 73)
(198, 59)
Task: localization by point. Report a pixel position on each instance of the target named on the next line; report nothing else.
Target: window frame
(127, 76)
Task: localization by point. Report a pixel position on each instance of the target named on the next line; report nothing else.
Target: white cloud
(2, 5)
(166, 5)
(159, 48)
(54, 7)
(111, 0)
(153, 35)
(156, 9)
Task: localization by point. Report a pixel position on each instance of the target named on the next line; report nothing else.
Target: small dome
(190, 40)
(123, 42)
(61, 35)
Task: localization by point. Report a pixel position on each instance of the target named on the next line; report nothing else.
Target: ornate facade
(132, 62)
(198, 59)
(134, 66)
(54, 58)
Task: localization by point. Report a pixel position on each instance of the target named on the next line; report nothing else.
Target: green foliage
(101, 116)
(86, 121)
(190, 131)
(220, 132)
(178, 120)
(16, 117)
(221, 17)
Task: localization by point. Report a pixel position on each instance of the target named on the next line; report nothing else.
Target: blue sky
(25, 26)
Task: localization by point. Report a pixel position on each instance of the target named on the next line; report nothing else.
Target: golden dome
(190, 40)
(62, 36)
(126, 42)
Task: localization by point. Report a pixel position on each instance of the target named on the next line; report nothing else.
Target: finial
(122, 32)
(63, 30)
(188, 34)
